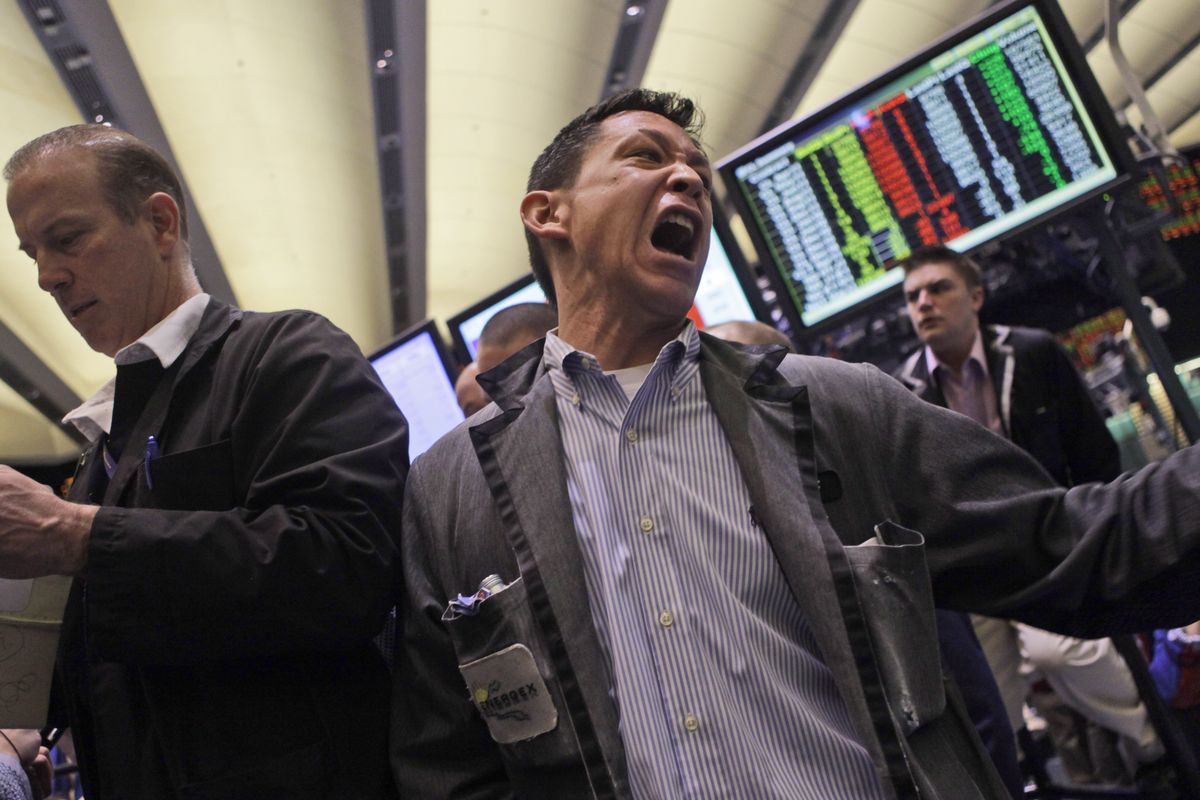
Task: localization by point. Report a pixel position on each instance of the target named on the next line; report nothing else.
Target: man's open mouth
(675, 234)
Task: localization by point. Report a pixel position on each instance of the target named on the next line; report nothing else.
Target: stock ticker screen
(1183, 183)
(982, 136)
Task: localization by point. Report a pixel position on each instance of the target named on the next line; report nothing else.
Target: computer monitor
(727, 292)
(466, 326)
(721, 297)
(988, 131)
(416, 370)
(1183, 185)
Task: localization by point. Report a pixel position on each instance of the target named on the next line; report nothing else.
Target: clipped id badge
(510, 694)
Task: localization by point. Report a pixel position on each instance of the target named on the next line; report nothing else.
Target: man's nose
(52, 274)
(686, 180)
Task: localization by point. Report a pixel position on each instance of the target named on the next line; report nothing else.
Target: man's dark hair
(523, 321)
(964, 266)
(558, 165)
(130, 170)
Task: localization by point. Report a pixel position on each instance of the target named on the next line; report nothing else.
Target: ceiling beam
(1187, 116)
(396, 45)
(1097, 36)
(31, 378)
(87, 48)
(825, 35)
(1171, 63)
(640, 22)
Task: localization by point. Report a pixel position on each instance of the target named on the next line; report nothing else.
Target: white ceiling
(267, 106)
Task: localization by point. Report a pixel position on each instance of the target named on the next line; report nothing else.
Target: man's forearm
(74, 532)
(40, 533)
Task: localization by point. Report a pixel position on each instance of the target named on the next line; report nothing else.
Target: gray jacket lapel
(522, 459)
(766, 419)
(1000, 364)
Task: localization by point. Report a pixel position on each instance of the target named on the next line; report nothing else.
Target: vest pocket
(892, 580)
(509, 680)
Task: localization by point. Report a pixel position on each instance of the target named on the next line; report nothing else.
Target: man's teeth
(681, 220)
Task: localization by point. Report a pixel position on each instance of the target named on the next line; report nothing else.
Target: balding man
(511, 329)
(750, 332)
(231, 525)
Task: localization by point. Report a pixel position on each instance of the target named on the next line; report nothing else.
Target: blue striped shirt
(719, 683)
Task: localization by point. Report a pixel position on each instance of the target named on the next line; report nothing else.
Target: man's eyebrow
(694, 154)
(938, 284)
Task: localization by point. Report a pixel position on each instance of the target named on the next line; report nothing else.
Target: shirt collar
(559, 355)
(932, 362)
(165, 341)
(681, 355)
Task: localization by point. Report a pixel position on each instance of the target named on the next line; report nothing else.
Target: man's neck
(953, 360)
(956, 354)
(616, 340)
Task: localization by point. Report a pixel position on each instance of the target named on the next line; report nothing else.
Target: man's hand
(41, 774)
(40, 534)
(33, 757)
(25, 742)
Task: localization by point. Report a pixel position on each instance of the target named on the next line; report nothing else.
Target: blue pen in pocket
(151, 454)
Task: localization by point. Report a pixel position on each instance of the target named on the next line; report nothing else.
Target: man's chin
(100, 344)
(931, 339)
(673, 309)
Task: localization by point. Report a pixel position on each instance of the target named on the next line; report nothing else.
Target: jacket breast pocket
(510, 681)
(892, 580)
(200, 479)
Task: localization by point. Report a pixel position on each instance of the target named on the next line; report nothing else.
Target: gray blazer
(837, 457)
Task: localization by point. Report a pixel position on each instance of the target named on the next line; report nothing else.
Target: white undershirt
(631, 378)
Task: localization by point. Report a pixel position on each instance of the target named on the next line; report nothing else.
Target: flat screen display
(979, 135)
(1183, 183)
(466, 326)
(414, 370)
(720, 296)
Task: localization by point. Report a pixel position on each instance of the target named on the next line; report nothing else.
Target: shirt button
(575, 400)
(647, 524)
(691, 723)
(631, 435)
(666, 619)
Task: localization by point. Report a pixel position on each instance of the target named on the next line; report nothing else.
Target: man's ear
(976, 298)
(163, 213)
(544, 214)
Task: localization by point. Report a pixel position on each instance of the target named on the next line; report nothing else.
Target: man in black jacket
(230, 529)
(1020, 383)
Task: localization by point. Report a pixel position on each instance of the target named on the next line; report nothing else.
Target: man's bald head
(510, 329)
(749, 333)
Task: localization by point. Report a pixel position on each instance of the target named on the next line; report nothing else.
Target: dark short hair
(130, 170)
(524, 322)
(964, 266)
(558, 165)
